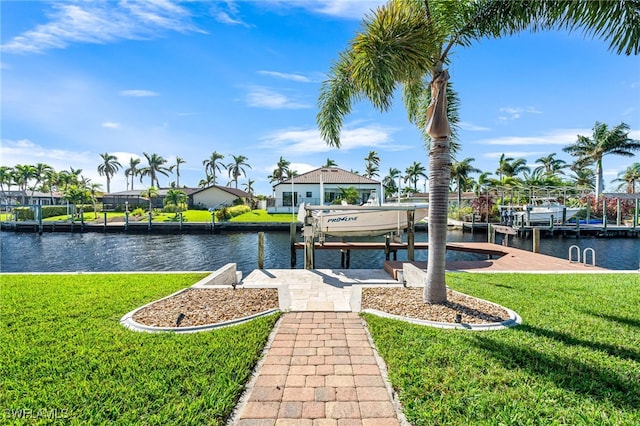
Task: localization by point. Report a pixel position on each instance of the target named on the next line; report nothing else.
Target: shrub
(23, 213)
(50, 211)
(138, 212)
(225, 213)
(172, 208)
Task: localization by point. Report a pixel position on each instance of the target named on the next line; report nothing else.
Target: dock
(566, 230)
(142, 227)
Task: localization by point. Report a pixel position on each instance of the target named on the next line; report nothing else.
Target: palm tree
(23, 175)
(330, 163)
(212, 164)
(149, 194)
(415, 171)
(208, 181)
(156, 166)
(583, 177)
(460, 171)
(108, 168)
(236, 168)
(40, 172)
(628, 178)
(280, 171)
(248, 187)
(179, 160)
(372, 163)
(551, 165)
(93, 195)
(175, 197)
(603, 142)
(349, 195)
(409, 42)
(78, 196)
(510, 167)
(132, 171)
(389, 182)
(6, 177)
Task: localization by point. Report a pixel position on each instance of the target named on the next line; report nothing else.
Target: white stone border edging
(514, 319)
(217, 279)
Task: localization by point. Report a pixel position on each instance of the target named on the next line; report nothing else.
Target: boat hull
(543, 215)
(364, 223)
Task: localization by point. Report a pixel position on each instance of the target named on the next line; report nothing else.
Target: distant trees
(132, 171)
(329, 163)
(237, 167)
(414, 172)
(372, 164)
(109, 167)
(460, 171)
(628, 178)
(211, 165)
(156, 165)
(179, 160)
(604, 141)
(280, 172)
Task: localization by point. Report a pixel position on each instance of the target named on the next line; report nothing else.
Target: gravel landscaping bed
(211, 306)
(408, 302)
(207, 306)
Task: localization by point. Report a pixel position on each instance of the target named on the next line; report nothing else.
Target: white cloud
(25, 151)
(225, 18)
(138, 93)
(262, 97)
(472, 127)
(309, 141)
(348, 9)
(514, 113)
(101, 22)
(554, 137)
(110, 125)
(286, 76)
(514, 154)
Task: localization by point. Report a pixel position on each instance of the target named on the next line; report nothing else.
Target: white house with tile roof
(319, 186)
(213, 196)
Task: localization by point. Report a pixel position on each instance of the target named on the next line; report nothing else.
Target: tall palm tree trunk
(439, 175)
(599, 178)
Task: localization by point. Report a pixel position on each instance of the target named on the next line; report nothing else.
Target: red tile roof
(330, 175)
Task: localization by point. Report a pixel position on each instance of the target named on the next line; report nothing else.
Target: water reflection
(61, 252)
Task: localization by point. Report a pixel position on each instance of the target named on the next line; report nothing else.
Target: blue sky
(189, 78)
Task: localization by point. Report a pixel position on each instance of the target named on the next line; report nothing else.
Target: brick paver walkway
(319, 370)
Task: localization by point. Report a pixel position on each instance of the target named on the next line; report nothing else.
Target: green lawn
(190, 216)
(574, 360)
(263, 216)
(64, 353)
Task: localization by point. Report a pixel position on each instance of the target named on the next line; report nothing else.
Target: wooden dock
(507, 259)
(569, 229)
(499, 258)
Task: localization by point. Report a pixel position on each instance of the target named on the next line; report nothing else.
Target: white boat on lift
(540, 211)
(370, 219)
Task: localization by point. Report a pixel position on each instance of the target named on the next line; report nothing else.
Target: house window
(330, 196)
(308, 194)
(286, 199)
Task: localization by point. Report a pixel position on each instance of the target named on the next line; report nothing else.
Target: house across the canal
(211, 197)
(319, 186)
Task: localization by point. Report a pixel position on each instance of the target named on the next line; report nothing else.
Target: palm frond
(614, 21)
(335, 101)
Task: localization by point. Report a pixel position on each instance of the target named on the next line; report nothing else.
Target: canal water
(92, 252)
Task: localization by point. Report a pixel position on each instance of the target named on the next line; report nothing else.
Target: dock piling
(260, 250)
(292, 239)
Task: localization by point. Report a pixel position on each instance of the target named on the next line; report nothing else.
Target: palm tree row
(510, 172)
